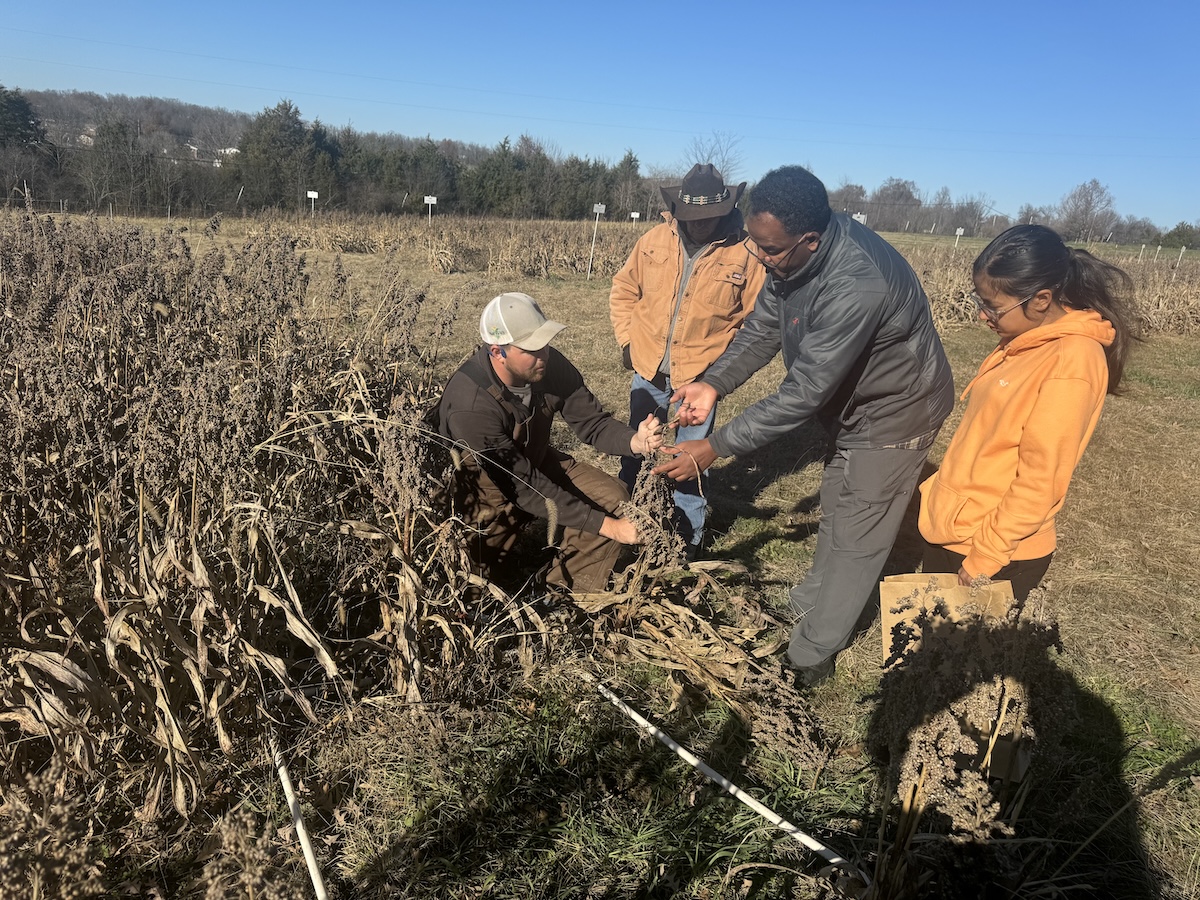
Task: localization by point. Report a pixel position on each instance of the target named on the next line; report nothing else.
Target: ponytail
(1092, 283)
(1026, 259)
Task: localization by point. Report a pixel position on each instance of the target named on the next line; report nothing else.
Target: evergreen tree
(23, 151)
(19, 124)
(269, 166)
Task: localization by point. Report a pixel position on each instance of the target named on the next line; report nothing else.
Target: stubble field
(220, 523)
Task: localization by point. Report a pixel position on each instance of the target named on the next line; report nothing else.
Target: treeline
(1086, 214)
(145, 156)
(152, 157)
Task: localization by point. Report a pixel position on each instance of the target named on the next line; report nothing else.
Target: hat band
(702, 200)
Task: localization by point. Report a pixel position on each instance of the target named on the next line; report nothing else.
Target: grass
(516, 779)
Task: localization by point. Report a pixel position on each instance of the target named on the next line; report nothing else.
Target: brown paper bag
(994, 599)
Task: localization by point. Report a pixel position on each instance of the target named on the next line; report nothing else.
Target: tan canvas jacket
(725, 282)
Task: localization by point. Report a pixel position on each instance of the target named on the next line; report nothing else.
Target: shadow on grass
(618, 817)
(1074, 823)
(735, 488)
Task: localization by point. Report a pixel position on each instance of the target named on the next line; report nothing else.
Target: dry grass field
(219, 522)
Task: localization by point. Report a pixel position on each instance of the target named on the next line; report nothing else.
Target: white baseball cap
(515, 318)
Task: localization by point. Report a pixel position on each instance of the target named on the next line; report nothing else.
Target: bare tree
(1087, 213)
(1134, 230)
(894, 205)
(939, 212)
(657, 177)
(721, 148)
(848, 197)
(1031, 215)
(968, 214)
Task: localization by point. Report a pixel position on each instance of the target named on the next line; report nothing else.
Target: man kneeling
(500, 405)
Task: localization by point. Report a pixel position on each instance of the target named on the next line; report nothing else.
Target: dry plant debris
(219, 507)
(47, 850)
(214, 507)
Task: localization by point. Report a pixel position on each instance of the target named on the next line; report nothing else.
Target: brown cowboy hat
(703, 195)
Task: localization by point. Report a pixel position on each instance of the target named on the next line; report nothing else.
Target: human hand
(622, 531)
(964, 578)
(649, 437)
(696, 402)
(690, 459)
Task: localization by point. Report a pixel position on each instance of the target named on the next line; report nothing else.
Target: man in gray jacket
(864, 359)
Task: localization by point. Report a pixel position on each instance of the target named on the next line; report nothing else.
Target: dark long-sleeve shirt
(512, 442)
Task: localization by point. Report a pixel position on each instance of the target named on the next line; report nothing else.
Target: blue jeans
(691, 510)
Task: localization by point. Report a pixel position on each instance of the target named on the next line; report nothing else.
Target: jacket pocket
(718, 289)
(658, 271)
(941, 517)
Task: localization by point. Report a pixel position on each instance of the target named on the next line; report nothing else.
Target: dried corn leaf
(298, 625)
(57, 666)
(26, 719)
(278, 668)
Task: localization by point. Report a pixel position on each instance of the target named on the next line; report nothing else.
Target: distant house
(227, 151)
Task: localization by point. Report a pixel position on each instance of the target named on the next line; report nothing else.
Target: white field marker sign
(431, 202)
(598, 209)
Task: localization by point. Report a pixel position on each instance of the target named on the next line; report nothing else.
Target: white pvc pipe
(732, 789)
(310, 857)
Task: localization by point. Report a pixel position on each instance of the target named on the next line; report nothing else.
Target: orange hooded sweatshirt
(1032, 410)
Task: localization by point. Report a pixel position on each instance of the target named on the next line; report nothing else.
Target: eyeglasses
(994, 315)
(778, 258)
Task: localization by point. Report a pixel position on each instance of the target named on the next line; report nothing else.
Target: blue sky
(1018, 102)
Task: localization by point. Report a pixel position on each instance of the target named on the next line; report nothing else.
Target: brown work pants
(584, 561)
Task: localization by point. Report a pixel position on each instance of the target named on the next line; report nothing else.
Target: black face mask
(717, 232)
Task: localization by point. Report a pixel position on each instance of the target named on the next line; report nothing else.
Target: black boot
(806, 677)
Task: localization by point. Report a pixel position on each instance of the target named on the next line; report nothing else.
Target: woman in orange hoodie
(1065, 323)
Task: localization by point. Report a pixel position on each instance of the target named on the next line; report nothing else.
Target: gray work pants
(864, 494)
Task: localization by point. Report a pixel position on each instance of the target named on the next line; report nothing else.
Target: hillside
(69, 115)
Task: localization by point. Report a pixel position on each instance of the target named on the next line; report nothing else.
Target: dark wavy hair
(1026, 259)
(794, 196)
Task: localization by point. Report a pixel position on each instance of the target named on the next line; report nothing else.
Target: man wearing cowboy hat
(676, 305)
(498, 409)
